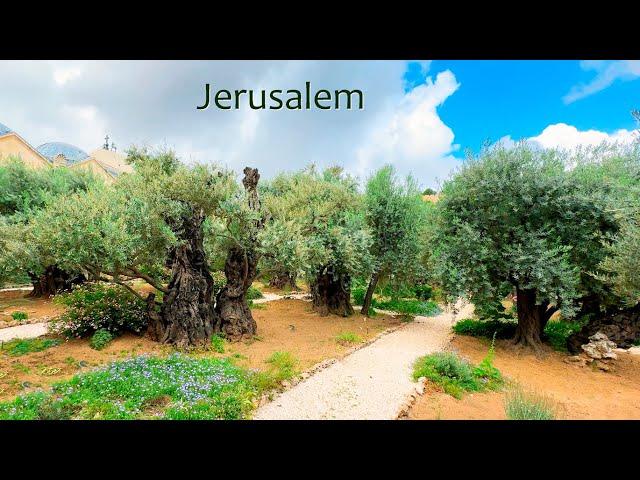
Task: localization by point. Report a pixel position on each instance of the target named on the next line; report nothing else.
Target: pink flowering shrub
(96, 306)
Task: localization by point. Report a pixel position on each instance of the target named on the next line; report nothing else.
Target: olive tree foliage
(321, 215)
(143, 224)
(24, 191)
(521, 220)
(396, 215)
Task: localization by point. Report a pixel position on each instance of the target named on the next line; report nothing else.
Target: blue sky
(521, 98)
(418, 116)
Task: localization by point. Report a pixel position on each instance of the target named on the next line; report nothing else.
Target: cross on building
(106, 142)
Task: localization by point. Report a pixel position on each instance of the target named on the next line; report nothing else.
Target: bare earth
(372, 383)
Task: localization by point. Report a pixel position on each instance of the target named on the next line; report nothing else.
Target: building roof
(4, 129)
(112, 161)
(72, 153)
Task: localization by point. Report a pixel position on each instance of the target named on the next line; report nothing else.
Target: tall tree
(23, 191)
(324, 213)
(396, 214)
(520, 218)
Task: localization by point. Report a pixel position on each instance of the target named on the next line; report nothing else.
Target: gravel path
(371, 383)
(30, 330)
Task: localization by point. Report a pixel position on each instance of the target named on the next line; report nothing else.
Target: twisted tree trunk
(332, 294)
(282, 279)
(234, 315)
(532, 318)
(186, 317)
(52, 281)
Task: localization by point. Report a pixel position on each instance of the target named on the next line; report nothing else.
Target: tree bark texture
(332, 294)
(532, 318)
(366, 303)
(54, 280)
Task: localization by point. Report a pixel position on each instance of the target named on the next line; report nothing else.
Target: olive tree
(396, 214)
(147, 221)
(520, 219)
(323, 213)
(24, 191)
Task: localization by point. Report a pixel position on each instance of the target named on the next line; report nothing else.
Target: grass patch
(282, 366)
(521, 405)
(456, 375)
(408, 306)
(176, 387)
(348, 338)
(100, 339)
(20, 316)
(253, 293)
(555, 333)
(218, 343)
(19, 347)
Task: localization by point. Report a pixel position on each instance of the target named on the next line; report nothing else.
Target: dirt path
(372, 383)
(30, 330)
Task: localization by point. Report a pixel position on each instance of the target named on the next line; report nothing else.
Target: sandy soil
(17, 300)
(311, 340)
(579, 392)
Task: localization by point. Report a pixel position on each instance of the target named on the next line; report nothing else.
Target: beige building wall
(12, 145)
(94, 167)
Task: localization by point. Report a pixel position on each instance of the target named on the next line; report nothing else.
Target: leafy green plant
(19, 315)
(20, 347)
(253, 293)
(423, 292)
(96, 306)
(282, 366)
(521, 405)
(100, 339)
(204, 388)
(410, 307)
(486, 371)
(218, 343)
(348, 338)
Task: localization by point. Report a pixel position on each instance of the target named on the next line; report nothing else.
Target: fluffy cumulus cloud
(154, 103)
(606, 74)
(561, 135)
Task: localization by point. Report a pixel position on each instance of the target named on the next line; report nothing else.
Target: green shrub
(410, 307)
(20, 316)
(446, 369)
(253, 293)
(520, 405)
(100, 339)
(555, 332)
(217, 343)
(176, 387)
(28, 345)
(456, 375)
(357, 294)
(282, 366)
(347, 338)
(423, 292)
(96, 306)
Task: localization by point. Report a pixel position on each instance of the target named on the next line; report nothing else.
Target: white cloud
(561, 135)
(607, 73)
(63, 75)
(411, 134)
(154, 103)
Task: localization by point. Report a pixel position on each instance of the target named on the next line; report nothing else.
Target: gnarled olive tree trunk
(283, 279)
(187, 316)
(368, 297)
(54, 280)
(240, 269)
(332, 294)
(532, 318)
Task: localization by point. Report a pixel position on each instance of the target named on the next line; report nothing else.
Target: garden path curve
(371, 383)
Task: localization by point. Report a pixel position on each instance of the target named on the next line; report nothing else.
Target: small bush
(253, 293)
(217, 343)
(446, 369)
(20, 316)
(96, 306)
(282, 366)
(423, 292)
(23, 346)
(348, 338)
(100, 339)
(520, 405)
(357, 295)
(409, 307)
